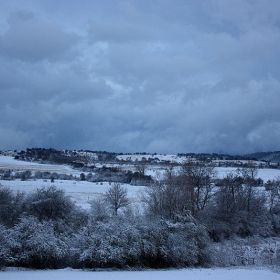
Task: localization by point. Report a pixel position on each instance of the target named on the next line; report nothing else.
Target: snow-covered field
(9, 163)
(82, 192)
(191, 274)
(263, 173)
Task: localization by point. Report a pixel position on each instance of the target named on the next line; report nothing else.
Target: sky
(163, 76)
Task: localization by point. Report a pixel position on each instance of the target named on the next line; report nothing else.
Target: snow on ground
(9, 163)
(263, 173)
(192, 274)
(82, 192)
(135, 157)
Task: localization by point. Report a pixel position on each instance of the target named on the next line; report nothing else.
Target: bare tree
(273, 189)
(250, 171)
(116, 196)
(197, 178)
(49, 203)
(141, 168)
(230, 197)
(249, 174)
(10, 205)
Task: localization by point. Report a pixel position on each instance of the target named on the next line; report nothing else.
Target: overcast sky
(163, 76)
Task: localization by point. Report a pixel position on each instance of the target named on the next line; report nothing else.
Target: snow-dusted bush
(4, 250)
(106, 244)
(249, 251)
(99, 209)
(168, 244)
(34, 244)
(158, 243)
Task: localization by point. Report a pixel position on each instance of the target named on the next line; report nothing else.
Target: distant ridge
(273, 157)
(51, 155)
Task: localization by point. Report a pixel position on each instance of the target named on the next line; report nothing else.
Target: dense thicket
(185, 214)
(50, 232)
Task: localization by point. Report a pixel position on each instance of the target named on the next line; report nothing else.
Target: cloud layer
(156, 76)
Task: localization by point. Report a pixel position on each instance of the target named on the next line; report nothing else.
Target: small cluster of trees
(111, 174)
(76, 158)
(27, 175)
(233, 206)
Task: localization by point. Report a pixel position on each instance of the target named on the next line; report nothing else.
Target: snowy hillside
(9, 163)
(157, 157)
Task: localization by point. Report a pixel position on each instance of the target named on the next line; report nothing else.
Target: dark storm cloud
(31, 39)
(158, 76)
